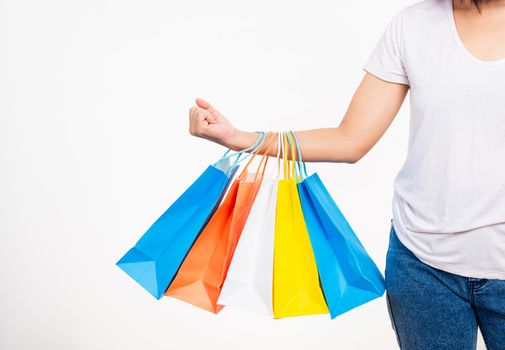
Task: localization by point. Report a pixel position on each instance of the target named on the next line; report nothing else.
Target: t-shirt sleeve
(386, 61)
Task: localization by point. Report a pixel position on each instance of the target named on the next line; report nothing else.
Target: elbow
(352, 160)
(349, 156)
(358, 149)
(348, 159)
(354, 156)
(351, 146)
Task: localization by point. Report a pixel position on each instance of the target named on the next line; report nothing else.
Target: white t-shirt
(449, 196)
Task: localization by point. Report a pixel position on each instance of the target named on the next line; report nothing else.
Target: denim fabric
(432, 309)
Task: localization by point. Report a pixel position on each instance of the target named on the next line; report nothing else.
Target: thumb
(204, 104)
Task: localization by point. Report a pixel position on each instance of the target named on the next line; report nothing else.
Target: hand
(208, 123)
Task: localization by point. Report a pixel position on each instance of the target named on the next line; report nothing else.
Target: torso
(449, 201)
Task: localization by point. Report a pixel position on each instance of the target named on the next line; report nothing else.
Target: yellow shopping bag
(296, 288)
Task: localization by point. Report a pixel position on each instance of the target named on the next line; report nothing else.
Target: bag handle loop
(302, 169)
(253, 148)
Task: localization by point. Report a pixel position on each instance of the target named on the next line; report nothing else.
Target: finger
(193, 119)
(191, 113)
(201, 123)
(200, 115)
(204, 104)
(190, 117)
(197, 120)
(205, 125)
(200, 102)
(211, 119)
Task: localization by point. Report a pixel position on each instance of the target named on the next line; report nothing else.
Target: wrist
(241, 139)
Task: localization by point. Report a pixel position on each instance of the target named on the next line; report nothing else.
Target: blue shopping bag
(348, 275)
(154, 260)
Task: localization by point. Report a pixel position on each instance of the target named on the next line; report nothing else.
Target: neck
(468, 4)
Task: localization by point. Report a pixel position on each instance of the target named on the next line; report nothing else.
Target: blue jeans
(432, 309)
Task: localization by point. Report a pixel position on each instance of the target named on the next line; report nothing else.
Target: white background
(94, 98)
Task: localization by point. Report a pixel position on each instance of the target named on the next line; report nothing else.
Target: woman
(445, 266)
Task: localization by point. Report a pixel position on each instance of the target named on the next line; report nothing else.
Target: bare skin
(483, 34)
(375, 102)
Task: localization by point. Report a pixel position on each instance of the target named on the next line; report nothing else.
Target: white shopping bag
(248, 283)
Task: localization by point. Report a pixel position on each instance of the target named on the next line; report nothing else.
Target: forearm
(372, 109)
(317, 145)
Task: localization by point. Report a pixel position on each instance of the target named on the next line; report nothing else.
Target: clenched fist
(208, 123)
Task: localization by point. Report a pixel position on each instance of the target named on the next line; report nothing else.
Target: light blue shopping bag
(158, 254)
(348, 275)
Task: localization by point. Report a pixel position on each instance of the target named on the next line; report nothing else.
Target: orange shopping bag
(202, 274)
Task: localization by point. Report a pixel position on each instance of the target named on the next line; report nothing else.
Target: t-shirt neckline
(459, 42)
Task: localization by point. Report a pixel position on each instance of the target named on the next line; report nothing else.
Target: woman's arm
(372, 109)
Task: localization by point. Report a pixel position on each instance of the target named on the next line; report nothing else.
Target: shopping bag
(248, 283)
(155, 258)
(296, 288)
(348, 275)
(202, 273)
